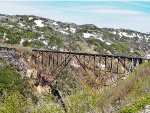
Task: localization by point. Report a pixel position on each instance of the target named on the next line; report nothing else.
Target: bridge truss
(106, 69)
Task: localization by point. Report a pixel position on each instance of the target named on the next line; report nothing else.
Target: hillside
(131, 95)
(23, 87)
(38, 32)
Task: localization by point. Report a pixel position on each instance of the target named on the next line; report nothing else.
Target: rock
(31, 73)
(3, 19)
(43, 90)
(14, 20)
(147, 109)
(40, 90)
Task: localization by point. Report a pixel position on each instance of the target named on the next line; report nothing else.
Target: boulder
(3, 19)
(13, 20)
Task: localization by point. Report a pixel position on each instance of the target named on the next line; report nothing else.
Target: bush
(99, 45)
(13, 90)
(54, 41)
(138, 105)
(46, 105)
(84, 101)
(112, 98)
(121, 48)
(13, 40)
(15, 103)
(10, 80)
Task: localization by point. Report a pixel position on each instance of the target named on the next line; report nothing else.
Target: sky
(134, 15)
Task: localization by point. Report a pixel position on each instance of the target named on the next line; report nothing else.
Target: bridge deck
(105, 68)
(79, 53)
(91, 54)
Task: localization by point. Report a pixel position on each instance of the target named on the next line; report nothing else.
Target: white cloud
(101, 9)
(115, 11)
(98, 9)
(13, 8)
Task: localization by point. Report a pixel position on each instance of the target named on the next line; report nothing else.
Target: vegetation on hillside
(55, 35)
(128, 96)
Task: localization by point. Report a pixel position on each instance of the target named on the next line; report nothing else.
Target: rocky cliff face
(41, 32)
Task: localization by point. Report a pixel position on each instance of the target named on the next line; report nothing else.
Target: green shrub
(46, 105)
(10, 80)
(121, 48)
(99, 45)
(137, 105)
(54, 41)
(13, 40)
(15, 103)
(83, 101)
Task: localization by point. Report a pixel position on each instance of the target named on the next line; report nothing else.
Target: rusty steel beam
(91, 54)
(67, 62)
(82, 60)
(54, 58)
(101, 65)
(61, 64)
(80, 63)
